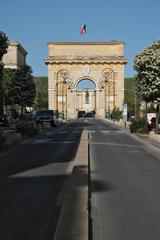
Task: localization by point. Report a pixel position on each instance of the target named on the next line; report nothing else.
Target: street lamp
(104, 83)
(62, 78)
(63, 74)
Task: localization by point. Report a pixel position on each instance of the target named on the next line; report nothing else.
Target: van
(45, 116)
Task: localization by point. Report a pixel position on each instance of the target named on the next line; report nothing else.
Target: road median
(73, 220)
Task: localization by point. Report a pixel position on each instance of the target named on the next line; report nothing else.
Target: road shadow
(99, 186)
(30, 207)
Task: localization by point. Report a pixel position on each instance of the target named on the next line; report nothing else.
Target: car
(45, 116)
(3, 121)
(81, 114)
(89, 114)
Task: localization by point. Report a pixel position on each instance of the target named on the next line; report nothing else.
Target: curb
(73, 220)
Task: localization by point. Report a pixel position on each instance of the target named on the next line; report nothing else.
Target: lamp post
(107, 74)
(63, 74)
(62, 78)
(114, 94)
(95, 107)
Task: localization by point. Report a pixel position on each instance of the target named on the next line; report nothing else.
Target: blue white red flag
(83, 29)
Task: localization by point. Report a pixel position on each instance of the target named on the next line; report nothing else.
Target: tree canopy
(131, 95)
(41, 92)
(3, 50)
(147, 65)
(3, 44)
(22, 90)
(7, 84)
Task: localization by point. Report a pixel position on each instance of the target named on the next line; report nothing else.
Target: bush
(140, 125)
(116, 114)
(27, 129)
(143, 130)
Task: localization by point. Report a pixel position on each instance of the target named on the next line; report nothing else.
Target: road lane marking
(50, 141)
(111, 132)
(104, 131)
(116, 144)
(91, 131)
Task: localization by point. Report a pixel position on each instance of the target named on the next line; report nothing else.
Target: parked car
(89, 114)
(45, 116)
(81, 114)
(3, 121)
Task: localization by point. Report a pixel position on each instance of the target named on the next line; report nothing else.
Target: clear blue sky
(34, 23)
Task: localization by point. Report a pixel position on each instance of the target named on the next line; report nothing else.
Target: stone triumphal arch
(70, 63)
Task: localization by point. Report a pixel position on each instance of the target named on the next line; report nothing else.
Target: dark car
(89, 114)
(81, 114)
(45, 116)
(3, 121)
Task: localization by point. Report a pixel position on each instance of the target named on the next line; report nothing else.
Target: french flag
(83, 29)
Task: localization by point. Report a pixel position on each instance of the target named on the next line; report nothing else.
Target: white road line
(104, 131)
(117, 144)
(91, 131)
(111, 132)
(50, 141)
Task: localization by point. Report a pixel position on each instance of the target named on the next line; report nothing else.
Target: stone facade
(15, 56)
(101, 62)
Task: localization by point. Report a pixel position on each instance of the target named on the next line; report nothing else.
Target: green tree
(7, 83)
(3, 50)
(22, 90)
(147, 65)
(41, 92)
(131, 96)
(3, 44)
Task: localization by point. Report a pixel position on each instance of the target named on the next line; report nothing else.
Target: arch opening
(86, 96)
(86, 84)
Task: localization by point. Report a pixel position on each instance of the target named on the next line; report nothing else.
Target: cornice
(87, 60)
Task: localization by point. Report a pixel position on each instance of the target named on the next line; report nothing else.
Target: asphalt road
(33, 181)
(125, 180)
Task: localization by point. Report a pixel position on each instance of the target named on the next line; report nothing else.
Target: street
(33, 181)
(125, 181)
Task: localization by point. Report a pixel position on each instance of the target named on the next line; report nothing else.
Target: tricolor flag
(83, 29)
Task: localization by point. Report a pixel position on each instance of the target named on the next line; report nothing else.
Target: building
(69, 63)
(15, 56)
